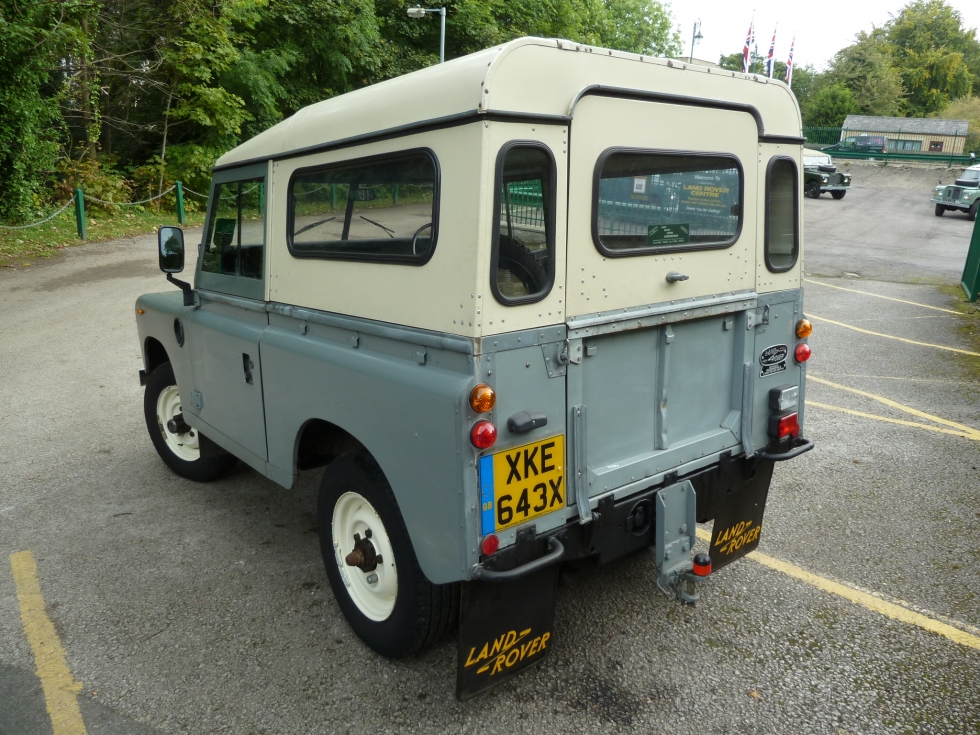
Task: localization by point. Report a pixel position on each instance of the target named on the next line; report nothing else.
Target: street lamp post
(695, 37)
(419, 12)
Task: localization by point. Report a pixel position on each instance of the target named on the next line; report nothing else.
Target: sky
(821, 29)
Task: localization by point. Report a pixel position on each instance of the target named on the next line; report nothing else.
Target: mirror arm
(185, 287)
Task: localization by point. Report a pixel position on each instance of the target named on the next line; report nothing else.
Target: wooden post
(80, 213)
(180, 203)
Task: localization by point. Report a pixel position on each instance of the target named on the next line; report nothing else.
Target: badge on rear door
(773, 360)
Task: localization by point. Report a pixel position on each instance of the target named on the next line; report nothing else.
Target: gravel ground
(205, 609)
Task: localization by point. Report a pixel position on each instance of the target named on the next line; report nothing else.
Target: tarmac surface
(187, 608)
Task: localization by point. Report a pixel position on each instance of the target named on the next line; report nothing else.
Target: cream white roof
(528, 76)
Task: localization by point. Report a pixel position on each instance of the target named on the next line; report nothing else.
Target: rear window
(651, 201)
(383, 209)
(782, 215)
(523, 252)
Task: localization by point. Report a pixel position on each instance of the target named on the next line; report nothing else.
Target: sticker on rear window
(773, 360)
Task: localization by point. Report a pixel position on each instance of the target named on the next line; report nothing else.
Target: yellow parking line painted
(879, 296)
(892, 336)
(975, 436)
(60, 687)
(899, 406)
(865, 599)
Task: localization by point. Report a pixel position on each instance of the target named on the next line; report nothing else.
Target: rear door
(661, 275)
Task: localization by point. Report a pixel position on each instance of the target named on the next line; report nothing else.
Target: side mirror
(171, 247)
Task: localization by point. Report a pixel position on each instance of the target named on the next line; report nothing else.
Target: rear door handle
(675, 276)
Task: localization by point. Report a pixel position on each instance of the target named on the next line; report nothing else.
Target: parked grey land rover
(519, 319)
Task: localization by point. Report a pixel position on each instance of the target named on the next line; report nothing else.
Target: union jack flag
(772, 50)
(789, 63)
(749, 38)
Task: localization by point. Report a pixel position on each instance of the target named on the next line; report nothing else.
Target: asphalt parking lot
(186, 608)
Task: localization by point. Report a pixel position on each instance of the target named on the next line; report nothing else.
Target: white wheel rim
(187, 445)
(373, 592)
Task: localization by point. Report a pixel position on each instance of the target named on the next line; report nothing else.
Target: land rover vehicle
(820, 175)
(519, 318)
(861, 144)
(962, 195)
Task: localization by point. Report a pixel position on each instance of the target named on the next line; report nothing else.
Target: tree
(965, 108)
(829, 105)
(866, 68)
(936, 57)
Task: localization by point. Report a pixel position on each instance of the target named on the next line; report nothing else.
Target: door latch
(248, 366)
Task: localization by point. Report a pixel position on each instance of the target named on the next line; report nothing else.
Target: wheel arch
(319, 442)
(154, 354)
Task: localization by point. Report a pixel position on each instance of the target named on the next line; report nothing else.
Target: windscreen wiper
(391, 233)
(310, 227)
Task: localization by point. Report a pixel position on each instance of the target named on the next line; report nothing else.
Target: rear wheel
(972, 213)
(371, 564)
(178, 444)
(812, 189)
(838, 194)
(940, 209)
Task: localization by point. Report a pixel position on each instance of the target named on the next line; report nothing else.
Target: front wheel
(178, 444)
(940, 209)
(371, 564)
(838, 194)
(972, 213)
(812, 189)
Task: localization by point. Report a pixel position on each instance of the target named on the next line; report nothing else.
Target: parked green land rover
(820, 175)
(962, 195)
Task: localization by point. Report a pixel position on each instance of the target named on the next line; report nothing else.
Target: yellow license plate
(522, 483)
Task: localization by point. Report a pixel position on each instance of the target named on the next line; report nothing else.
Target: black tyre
(515, 257)
(812, 189)
(940, 209)
(180, 450)
(838, 194)
(389, 602)
(972, 213)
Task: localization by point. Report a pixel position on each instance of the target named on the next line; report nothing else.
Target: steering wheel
(418, 232)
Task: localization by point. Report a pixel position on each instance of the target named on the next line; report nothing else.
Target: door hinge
(754, 318)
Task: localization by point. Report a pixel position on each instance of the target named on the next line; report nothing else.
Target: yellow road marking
(966, 435)
(879, 296)
(60, 687)
(892, 336)
(899, 406)
(865, 599)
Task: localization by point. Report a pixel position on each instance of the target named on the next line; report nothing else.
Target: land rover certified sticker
(773, 360)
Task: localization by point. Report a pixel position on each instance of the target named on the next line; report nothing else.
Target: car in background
(820, 175)
(962, 195)
(861, 144)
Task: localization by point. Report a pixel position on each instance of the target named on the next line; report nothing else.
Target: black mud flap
(504, 628)
(738, 523)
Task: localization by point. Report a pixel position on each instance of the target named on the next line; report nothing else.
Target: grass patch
(967, 327)
(20, 246)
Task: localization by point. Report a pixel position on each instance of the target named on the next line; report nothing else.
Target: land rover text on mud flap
(519, 319)
(962, 195)
(820, 175)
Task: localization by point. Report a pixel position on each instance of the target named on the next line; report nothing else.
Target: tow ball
(676, 513)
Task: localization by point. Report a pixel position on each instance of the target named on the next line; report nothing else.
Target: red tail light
(788, 426)
(490, 544)
(483, 434)
(802, 352)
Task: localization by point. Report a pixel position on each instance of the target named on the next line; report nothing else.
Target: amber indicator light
(482, 398)
(803, 328)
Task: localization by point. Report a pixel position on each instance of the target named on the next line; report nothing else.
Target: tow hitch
(676, 514)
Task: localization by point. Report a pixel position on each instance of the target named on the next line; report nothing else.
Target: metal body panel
(157, 322)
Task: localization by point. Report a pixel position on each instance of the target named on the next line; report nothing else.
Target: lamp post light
(419, 12)
(695, 37)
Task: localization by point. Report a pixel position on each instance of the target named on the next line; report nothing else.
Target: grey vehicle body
(653, 365)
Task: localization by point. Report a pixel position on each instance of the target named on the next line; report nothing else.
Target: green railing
(896, 145)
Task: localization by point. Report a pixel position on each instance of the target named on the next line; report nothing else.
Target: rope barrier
(35, 224)
(91, 198)
(191, 191)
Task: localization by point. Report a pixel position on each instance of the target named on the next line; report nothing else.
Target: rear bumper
(612, 534)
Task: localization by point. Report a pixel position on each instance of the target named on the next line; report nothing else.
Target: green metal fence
(898, 145)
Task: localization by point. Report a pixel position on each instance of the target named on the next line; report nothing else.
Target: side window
(383, 208)
(235, 241)
(650, 202)
(782, 215)
(522, 267)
